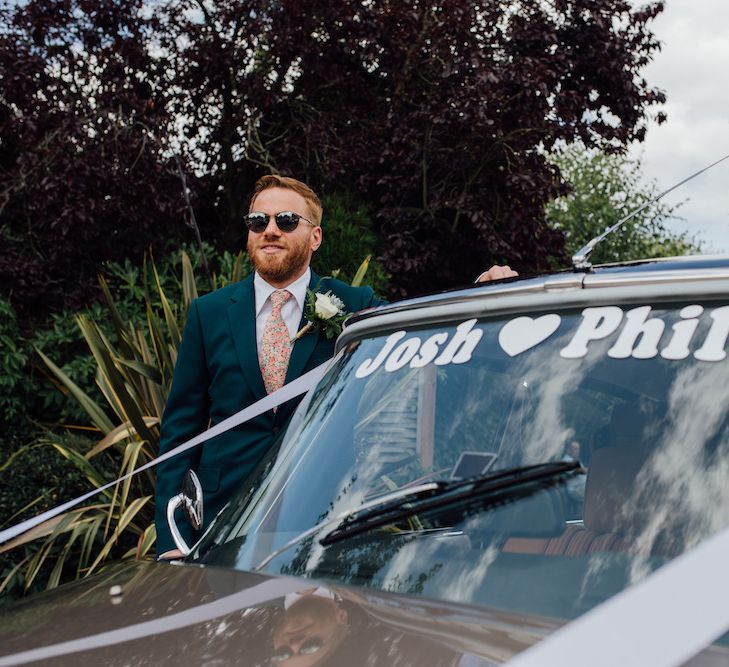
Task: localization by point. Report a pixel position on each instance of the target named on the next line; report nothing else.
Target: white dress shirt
(291, 311)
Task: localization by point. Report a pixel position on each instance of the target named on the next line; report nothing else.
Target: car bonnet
(144, 613)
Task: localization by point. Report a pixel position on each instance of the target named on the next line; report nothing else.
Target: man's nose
(272, 227)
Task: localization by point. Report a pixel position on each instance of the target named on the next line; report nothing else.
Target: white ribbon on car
(258, 595)
(291, 390)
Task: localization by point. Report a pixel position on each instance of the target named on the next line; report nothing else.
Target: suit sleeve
(186, 415)
(370, 299)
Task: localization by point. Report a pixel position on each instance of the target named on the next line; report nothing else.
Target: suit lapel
(242, 319)
(304, 347)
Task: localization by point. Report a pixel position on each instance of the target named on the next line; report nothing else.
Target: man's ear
(316, 238)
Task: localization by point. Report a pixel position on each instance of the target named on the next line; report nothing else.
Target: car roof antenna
(581, 259)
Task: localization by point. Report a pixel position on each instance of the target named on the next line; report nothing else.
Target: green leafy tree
(604, 188)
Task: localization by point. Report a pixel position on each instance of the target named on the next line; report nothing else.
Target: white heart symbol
(523, 333)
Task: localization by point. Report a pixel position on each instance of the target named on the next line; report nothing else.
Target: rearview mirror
(190, 499)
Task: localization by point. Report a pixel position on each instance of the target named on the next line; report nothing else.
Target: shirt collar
(263, 290)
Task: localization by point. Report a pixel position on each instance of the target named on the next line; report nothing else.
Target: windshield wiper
(406, 502)
(448, 493)
(394, 499)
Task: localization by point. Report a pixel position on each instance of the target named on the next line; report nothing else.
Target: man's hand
(496, 273)
(173, 554)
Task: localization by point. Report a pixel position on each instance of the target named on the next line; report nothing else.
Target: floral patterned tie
(275, 346)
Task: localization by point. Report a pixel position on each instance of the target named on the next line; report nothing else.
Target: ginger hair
(313, 204)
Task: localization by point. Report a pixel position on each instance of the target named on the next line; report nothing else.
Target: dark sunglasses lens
(257, 222)
(287, 221)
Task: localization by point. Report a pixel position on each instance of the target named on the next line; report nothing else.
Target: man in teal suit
(231, 350)
(218, 370)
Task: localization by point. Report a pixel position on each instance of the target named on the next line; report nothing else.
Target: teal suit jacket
(216, 375)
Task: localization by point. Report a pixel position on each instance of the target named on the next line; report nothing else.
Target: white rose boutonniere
(327, 306)
(324, 311)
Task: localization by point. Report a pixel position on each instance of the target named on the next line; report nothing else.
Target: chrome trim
(564, 281)
(525, 286)
(654, 277)
(176, 501)
(709, 257)
(194, 506)
(654, 288)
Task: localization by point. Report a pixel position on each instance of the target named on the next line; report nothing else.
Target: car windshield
(635, 394)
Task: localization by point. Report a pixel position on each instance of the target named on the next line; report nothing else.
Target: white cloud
(692, 69)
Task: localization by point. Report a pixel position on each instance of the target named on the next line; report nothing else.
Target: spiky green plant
(134, 375)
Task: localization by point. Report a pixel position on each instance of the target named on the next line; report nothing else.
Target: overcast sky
(693, 69)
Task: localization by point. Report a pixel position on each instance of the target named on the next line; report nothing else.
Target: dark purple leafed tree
(83, 176)
(433, 112)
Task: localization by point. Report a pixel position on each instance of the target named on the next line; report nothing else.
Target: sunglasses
(286, 221)
(309, 647)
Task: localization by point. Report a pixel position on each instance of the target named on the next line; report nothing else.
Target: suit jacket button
(276, 429)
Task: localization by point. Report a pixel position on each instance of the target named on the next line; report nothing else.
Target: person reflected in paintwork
(310, 630)
(321, 628)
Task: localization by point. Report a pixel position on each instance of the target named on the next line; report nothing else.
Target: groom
(235, 349)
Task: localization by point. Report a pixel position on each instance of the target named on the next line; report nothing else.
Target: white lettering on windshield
(683, 332)
(639, 338)
(597, 323)
(641, 334)
(369, 366)
(523, 333)
(417, 353)
(713, 347)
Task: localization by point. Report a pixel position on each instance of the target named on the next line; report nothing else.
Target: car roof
(662, 279)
